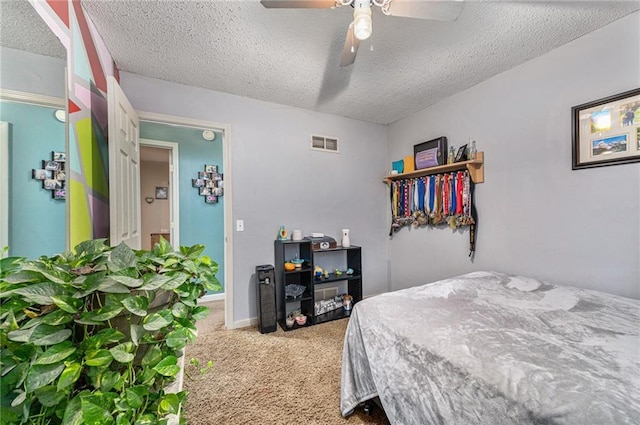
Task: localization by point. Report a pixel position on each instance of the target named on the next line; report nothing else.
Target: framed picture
(211, 199)
(59, 156)
(606, 131)
(205, 191)
(41, 174)
(50, 165)
(197, 182)
(461, 155)
(202, 175)
(211, 169)
(59, 193)
(51, 184)
(431, 153)
(162, 193)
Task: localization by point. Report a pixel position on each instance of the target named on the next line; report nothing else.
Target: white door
(124, 168)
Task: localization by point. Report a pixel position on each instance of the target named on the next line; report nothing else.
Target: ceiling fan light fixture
(362, 25)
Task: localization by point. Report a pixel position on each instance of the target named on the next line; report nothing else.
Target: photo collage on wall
(53, 175)
(209, 183)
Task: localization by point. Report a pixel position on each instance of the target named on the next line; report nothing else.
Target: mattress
(490, 348)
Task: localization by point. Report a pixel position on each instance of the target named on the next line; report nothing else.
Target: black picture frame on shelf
(462, 154)
(606, 131)
(430, 153)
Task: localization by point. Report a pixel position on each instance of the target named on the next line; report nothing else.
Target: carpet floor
(276, 378)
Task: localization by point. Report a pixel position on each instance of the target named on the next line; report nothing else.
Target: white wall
(155, 215)
(537, 217)
(278, 180)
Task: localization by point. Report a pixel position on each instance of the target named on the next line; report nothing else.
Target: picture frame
(162, 192)
(59, 156)
(211, 199)
(461, 154)
(59, 193)
(606, 131)
(41, 174)
(430, 153)
(213, 169)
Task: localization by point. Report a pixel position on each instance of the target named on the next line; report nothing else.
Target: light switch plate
(239, 225)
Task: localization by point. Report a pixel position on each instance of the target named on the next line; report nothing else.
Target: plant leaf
(135, 395)
(22, 396)
(177, 339)
(168, 366)
(131, 282)
(98, 358)
(40, 293)
(67, 303)
(158, 320)
(93, 411)
(41, 375)
(49, 335)
(180, 310)
(122, 257)
(146, 419)
(56, 353)
(122, 352)
(170, 403)
(109, 380)
(58, 317)
(112, 287)
(136, 333)
(69, 375)
(152, 356)
(49, 396)
(73, 412)
(200, 312)
(137, 305)
(23, 276)
(155, 282)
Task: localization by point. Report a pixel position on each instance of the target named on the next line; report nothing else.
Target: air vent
(324, 143)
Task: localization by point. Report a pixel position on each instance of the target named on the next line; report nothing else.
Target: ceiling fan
(361, 27)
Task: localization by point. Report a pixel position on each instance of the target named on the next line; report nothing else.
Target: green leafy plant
(94, 336)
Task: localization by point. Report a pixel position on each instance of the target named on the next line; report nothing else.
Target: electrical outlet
(239, 225)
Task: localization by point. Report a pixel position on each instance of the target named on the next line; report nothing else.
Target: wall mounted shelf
(475, 167)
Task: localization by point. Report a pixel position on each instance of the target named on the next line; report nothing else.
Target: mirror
(32, 79)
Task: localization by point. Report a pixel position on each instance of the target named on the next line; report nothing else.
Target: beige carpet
(276, 378)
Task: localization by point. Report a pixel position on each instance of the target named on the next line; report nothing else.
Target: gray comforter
(489, 348)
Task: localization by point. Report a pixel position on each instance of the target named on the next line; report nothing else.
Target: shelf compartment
(296, 271)
(295, 326)
(475, 167)
(333, 278)
(304, 297)
(338, 314)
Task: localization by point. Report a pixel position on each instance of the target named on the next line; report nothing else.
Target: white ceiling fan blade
(298, 4)
(436, 10)
(350, 48)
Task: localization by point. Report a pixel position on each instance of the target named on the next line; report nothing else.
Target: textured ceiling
(291, 57)
(21, 28)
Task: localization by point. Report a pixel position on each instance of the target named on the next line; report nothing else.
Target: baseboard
(252, 321)
(212, 297)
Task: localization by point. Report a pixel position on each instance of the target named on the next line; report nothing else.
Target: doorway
(199, 219)
(159, 193)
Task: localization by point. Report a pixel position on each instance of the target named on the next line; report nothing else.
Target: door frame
(174, 185)
(225, 129)
(4, 187)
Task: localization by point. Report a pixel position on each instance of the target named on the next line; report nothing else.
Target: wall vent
(324, 143)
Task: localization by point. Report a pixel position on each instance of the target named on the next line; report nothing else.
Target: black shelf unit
(286, 251)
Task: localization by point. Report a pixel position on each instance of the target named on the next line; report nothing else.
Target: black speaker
(266, 298)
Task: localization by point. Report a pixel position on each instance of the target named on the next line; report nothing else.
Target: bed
(491, 348)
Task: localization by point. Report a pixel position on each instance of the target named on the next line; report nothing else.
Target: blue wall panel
(36, 220)
(200, 223)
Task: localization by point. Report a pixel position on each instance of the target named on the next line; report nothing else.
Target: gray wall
(537, 216)
(278, 180)
(31, 73)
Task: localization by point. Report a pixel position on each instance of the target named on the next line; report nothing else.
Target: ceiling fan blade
(298, 4)
(350, 48)
(435, 10)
